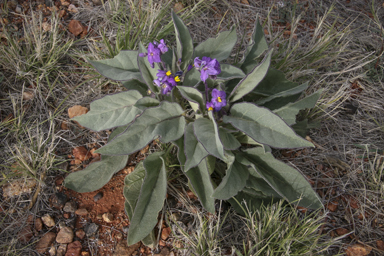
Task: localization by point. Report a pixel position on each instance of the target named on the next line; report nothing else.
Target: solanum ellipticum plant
(223, 120)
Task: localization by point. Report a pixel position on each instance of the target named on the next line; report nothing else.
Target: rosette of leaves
(224, 155)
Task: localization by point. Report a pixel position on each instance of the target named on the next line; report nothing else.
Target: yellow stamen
(168, 73)
(149, 92)
(218, 99)
(177, 79)
(210, 108)
(164, 86)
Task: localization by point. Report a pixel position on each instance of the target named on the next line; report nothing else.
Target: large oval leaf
(122, 67)
(201, 183)
(184, 43)
(264, 126)
(194, 150)
(132, 188)
(207, 133)
(194, 96)
(217, 48)
(147, 72)
(111, 111)
(151, 199)
(229, 72)
(164, 121)
(248, 83)
(96, 175)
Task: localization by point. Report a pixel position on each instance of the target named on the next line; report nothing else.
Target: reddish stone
(73, 249)
(45, 242)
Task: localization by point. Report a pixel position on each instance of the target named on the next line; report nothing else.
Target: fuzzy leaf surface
(200, 180)
(194, 150)
(164, 121)
(95, 175)
(111, 111)
(192, 95)
(132, 188)
(228, 140)
(217, 48)
(207, 133)
(192, 78)
(122, 67)
(294, 91)
(147, 72)
(135, 84)
(229, 72)
(248, 83)
(151, 199)
(184, 43)
(285, 180)
(263, 126)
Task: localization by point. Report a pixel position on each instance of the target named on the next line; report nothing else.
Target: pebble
(61, 250)
(74, 249)
(38, 224)
(18, 9)
(91, 229)
(98, 196)
(80, 234)
(164, 252)
(52, 251)
(70, 207)
(65, 236)
(58, 200)
(18, 187)
(108, 217)
(81, 212)
(25, 234)
(122, 249)
(45, 242)
(48, 220)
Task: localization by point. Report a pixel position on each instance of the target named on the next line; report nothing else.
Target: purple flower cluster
(166, 81)
(155, 50)
(208, 67)
(218, 100)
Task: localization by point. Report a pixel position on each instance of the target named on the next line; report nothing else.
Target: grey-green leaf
(180, 151)
(165, 121)
(293, 91)
(285, 180)
(234, 181)
(248, 83)
(194, 150)
(135, 84)
(192, 78)
(122, 67)
(228, 140)
(257, 45)
(184, 43)
(192, 95)
(132, 188)
(95, 175)
(151, 199)
(263, 126)
(111, 111)
(147, 102)
(217, 48)
(288, 112)
(229, 72)
(207, 133)
(201, 183)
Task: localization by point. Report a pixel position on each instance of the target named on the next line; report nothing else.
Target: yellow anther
(218, 99)
(149, 92)
(210, 108)
(168, 73)
(177, 79)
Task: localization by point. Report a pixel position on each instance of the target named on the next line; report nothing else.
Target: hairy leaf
(193, 96)
(184, 44)
(194, 150)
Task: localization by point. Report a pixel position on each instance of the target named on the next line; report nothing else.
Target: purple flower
(207, 67)
(166, 81)
(153, 54)
(210, 106)
(163, 48)
(218, 99)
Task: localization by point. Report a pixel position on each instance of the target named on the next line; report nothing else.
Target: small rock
(91, 229)
(380, 245)
(45, 242)
(65, 236)
(58, 200)
(70, 207)
(85, 254)
(97, 2)
(358, 250)
(62, 225)
(28, 95)
(72, 8)
(164, 252)
(108, 217)
(75, 28)
(18, 9)
(81, 153)
(342, 231)
(61, 250)
(38, 224)
(162, 243)
(81, 212)
(46, 26)
(98, 196)
(74, 249)
(62, 13)
(12, 4)
(48, 220)
(165, 233)
(94, 155)
(66, 215)
(18, 187)
(77, 110)
(52, 251)
(80, 234)
(333, 206)
(122, 249)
